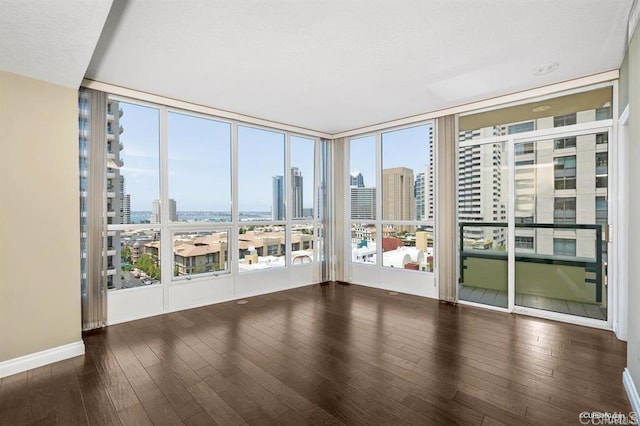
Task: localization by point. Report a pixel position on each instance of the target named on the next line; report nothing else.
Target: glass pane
(363, 243)
(407, 247)
(200, 252)
(363, 178)
(261, 174)
(560, 264)
(302, 244)
(133, 258)
(483, 265)
(261, 247)
(407, 174)
(302, 176)
(482, 215)
(133, 178)
(199, 169)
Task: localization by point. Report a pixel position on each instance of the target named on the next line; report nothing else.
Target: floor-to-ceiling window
(194, 205)
(391, 209)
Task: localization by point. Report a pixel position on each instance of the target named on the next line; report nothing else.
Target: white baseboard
(38, 359)
(632, 391)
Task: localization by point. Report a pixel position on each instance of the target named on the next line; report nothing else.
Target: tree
(149, 266)
(125, 254)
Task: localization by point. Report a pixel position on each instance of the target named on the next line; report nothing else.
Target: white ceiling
(326, 65)
(50, 40)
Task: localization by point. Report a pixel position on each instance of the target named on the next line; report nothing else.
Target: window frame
(379, 222)
(168, 228)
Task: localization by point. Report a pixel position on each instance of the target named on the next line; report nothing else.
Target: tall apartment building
(125, 202)
(363, 203)
(115, 193)
(114, 181)
(356, 179)
(156, 211)
(277, 203)
(84, 114)
(571, 189)
(126, 209)
(429, 181)
(398, 200)
(557, 181)
(482, 186)
(420, 196)
(297, 209)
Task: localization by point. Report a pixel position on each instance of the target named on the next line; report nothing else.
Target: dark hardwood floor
(330, 354)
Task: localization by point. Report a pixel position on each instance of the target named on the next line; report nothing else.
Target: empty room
(319, 212)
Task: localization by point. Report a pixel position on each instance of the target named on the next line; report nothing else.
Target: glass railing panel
(483, 263)
(560, 268)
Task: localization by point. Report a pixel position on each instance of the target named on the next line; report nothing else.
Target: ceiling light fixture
(541, 108)
(545, 69)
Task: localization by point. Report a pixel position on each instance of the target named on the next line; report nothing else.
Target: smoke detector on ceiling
(545, 69)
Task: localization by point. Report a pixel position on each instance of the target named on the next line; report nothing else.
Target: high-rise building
(278, 204)
(126, 209)
(115, 192)
(363, 203)
(173, 210)
(297, 209)
(398, 200)
(429, 180)
(125, 203)
(84, 116)
(560, 181)
(420, 196)
(482, 187)
(356, 179)
(156, 211)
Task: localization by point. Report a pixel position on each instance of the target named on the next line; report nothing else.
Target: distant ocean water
(142, 216)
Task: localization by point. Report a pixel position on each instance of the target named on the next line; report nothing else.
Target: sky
(199, 152)
(140, 138)
(407, 147)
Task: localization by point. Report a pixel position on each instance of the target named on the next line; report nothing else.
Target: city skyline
(199, 160)
(396, 144)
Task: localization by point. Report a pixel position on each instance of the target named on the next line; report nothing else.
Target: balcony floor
(500, 299)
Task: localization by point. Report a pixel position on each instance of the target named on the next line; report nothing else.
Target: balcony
(567, 284)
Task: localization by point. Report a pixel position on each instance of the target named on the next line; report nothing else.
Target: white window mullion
(511, 230)
(379, 192)
(166, 251)
(288, 199)
(232, 247)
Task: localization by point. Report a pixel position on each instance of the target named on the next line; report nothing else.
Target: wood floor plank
(215, 406)
(328, 354)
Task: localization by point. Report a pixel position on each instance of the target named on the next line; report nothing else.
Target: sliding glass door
(532, 214)
(533, 206)
(482, 212)
(560, 203)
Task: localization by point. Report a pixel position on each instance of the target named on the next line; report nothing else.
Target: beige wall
(633, 345)
(39, 224)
